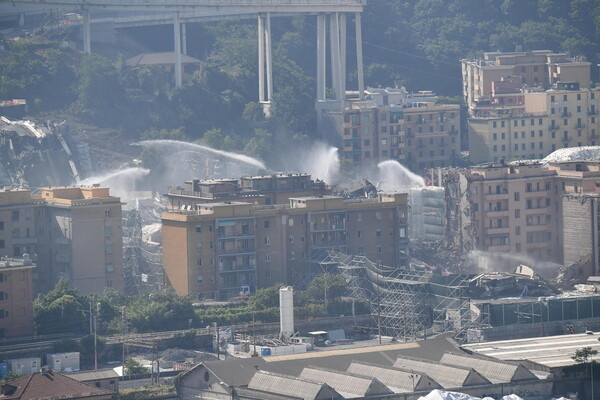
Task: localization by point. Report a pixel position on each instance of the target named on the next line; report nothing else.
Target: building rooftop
(291, 386)
(98, 374)
(49, 385)
(571, 154)
(551, 351)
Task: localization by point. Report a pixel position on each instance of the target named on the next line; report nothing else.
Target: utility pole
(378, 304)
(95, 342)
(254, 354)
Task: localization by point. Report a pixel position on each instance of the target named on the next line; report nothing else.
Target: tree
(160, 311)
(332, 284)
(584, 355)
(100, 93)
(265, 298)
(60, 310)
(133, 367)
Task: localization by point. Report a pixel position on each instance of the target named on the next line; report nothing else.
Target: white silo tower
(286, 312)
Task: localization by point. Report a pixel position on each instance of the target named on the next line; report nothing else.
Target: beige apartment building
(517, 207)
(16, 297)
(539, 68)
(418, 134)
(223, 250)
(566, 116)
(74, 233)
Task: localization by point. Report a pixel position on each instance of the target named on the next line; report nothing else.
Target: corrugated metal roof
(447, 376)
(399, 381)
(348, 385)
(330, 353)
(235, 371)
(551, 351)
(495, 371)
(291, 386)
(98, 374)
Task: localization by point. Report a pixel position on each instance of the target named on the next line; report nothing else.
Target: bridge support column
(334, 37)
(265, 63)
(269, 58)
(177, 35)
(87, 35)
(261, 58)
(183, 38)
(321, 57)
(359, 56)
(343, 56)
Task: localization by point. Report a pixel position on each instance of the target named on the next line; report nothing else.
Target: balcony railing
(238, 250)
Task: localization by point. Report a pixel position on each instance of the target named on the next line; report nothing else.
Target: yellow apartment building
(75, 233)
(539, 68)
(553, 119)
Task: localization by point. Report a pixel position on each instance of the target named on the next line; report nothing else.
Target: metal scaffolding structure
(408, 302)
(142, 264)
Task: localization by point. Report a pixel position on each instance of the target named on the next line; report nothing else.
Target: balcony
(498, 231)
(580, 126)
(226, 235)
(499, 248)
(565, 114)
(237, 251)
(453, 131)
(592, 112)
(567, 139)
(498, 212)
(24, 240)
(240, 269)
(553, 127)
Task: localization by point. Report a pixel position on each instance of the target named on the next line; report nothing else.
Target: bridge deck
(205, 6)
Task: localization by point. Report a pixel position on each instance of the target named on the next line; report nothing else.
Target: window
(267, 258)
(291, 221)
(517, 230)
(15, 216)
(268, 274)
(107, 213)
(107, 231)
(199, 262)
(378, 233)
(378, 216)
(358, 234)
(517, 196)
(109, 249)
(378, 249)
(1, 225)
(292, 255)
(3, 296)
(109, 267)
(291, 239)
(199, 246)
(267, 240)
(198, 228)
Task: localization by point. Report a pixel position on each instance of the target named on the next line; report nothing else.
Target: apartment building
(517, 207)
(84, 237)
(267, 189)
(566, 116)
(75, 233)
(394, 125)
(16, 297)
(539, 68)
(581, 233)
(221, 250)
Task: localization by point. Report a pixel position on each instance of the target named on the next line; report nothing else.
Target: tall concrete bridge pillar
(177, 35)
(265, 62)
(87, 35)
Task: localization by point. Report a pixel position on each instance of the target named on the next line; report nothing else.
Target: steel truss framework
(143, 269)
(408, 302)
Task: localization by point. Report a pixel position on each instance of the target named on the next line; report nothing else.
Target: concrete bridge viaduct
(330, 14)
